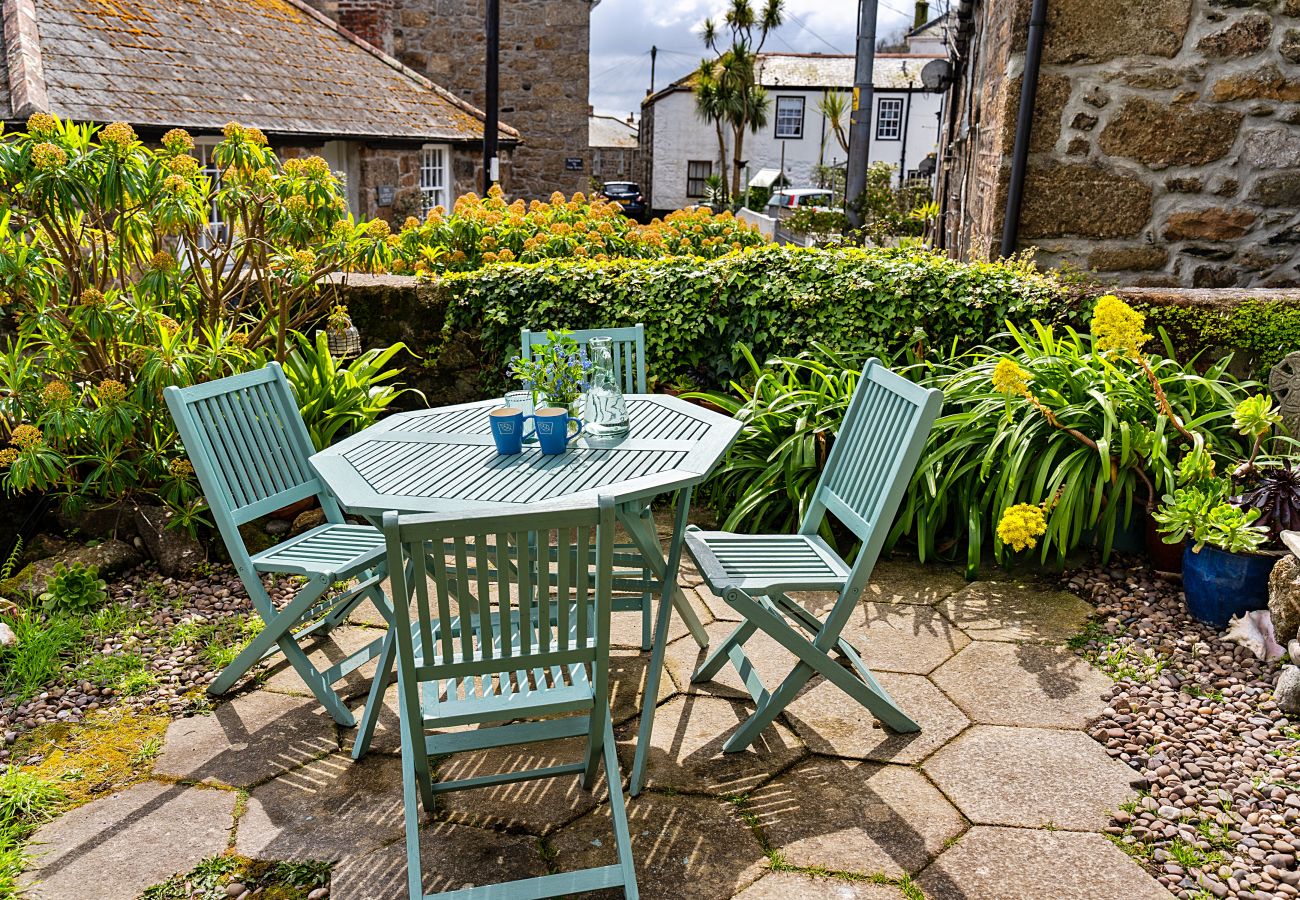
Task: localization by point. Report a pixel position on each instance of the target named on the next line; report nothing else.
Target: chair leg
(718, 656)
(375, 699)
(276, 626)
(316, 683)
(596, 740)
(647, 603)
(411, 811)
(618, 815)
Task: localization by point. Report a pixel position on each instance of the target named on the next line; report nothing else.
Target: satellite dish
(936, 74)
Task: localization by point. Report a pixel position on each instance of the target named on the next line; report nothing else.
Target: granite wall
(1166, 140)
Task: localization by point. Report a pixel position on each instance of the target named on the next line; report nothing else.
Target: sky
(622, 32)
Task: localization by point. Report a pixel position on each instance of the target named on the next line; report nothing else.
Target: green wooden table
(444, 459)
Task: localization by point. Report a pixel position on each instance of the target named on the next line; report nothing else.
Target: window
(216, 230)
(889, 119)
(696, 171)
(433, 177)
(789, 117)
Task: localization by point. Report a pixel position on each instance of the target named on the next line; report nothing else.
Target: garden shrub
(1261, 331)
(482, 231)
(774, 300)
(121, 285)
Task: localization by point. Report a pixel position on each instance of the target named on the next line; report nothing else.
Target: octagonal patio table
(444, 459)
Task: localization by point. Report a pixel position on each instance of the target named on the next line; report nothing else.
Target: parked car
(628, 195)
(784, 202)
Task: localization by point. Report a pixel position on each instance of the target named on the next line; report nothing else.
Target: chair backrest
(872, 461)
(491, 560)
(249, 448)
(628, 351)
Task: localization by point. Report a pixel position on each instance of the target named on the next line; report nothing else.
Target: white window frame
(435, 176)
(889, 126)
(216, 229)
(793, 128)
(690, 164)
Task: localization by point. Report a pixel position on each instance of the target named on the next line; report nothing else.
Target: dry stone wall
(1166, 145)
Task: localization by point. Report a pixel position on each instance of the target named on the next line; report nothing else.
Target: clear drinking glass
(523, 400)
(606, 410)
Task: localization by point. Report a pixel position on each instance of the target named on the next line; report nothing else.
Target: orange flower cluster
(484, 230)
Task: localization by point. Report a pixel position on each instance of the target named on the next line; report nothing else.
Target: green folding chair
(249, 447)
(532, 665)
(631, 576)
(870, 465)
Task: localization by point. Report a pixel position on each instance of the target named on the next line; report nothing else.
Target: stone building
(402, 143)
(544, 65)
(615, 153)
(1165, 144)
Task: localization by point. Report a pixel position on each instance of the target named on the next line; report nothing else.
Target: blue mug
(508, 429)
(552, 426)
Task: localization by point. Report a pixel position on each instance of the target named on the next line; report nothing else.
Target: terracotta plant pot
(293, 510)
(1164, 557)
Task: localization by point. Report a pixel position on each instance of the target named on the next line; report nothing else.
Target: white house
(679, 149)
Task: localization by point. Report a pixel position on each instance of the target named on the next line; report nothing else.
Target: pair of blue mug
(551, 423)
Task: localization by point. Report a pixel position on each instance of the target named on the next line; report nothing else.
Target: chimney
(921, 16)
(631, 118)
(370, 20)
(591, 110)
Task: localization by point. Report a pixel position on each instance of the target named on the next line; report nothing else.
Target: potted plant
(1232, 522)
(556, 373)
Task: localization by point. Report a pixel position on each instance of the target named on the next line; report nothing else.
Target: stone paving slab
(771, 661)
(119, 845)
(902, 637)
(1045, 865)
(536, 807)
(832, 723)
(998, 683)
(797, 886)
(329, 650)
(1016, 611)
(331, 809)
(685, 847)
(686, 748)
(627, 677)
(451, 857)
(850, 816)
(1031, 777)
(243, 742)
(908, 581)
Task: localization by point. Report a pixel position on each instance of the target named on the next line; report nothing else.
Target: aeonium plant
(1242, 510)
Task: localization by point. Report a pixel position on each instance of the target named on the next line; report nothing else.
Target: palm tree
(746, 101)
(834, 105)
(711, 104)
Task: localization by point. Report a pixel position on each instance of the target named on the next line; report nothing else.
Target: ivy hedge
(1259, 332)
(773, 300)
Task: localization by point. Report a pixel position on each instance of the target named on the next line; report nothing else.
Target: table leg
(667, 600)
(643, 534)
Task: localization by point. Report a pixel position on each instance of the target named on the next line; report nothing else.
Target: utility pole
(492, 31)
(654, 51)
(855, 177)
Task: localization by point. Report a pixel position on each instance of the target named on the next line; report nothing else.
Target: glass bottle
(606, 411)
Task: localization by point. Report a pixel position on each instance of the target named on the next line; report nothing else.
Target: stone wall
(1166, 144)
(399, 165)
(543, 71)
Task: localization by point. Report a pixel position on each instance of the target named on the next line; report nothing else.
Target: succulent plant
(1275, 492)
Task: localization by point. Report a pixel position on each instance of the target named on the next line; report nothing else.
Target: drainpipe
(1024, 126)
(902, 153)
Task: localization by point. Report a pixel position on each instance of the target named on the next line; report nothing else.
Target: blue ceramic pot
(1219, 585)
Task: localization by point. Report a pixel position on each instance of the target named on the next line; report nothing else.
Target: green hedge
(775, 300)
(1259, 332)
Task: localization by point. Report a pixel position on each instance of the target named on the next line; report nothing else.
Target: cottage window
(889, 119)
(216, 230)
(789, 117)
(433, 176)
(697, 170)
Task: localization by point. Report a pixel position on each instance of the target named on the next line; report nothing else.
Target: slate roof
(610, 131)
(275, 64)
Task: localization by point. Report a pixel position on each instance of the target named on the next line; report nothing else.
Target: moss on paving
(271, 880)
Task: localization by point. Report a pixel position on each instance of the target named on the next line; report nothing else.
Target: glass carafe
(606, 412)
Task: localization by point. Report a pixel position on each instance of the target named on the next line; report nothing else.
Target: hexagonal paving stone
(997, 683)
(902, 637)
(797, 886)
(119, 845)
(451, 857)
(685, 847)
(333, 808)
(537, 807)
(244, 742)
(771, 661)
(1016, 611)
(904, 580)
(327, 651)
(1031, 777)
(686, 747)
(627, 676)
(855, 817)
(833, 724)
(1045, 865)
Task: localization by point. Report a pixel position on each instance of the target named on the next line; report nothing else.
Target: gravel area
(166, 639)
(1196, 716)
